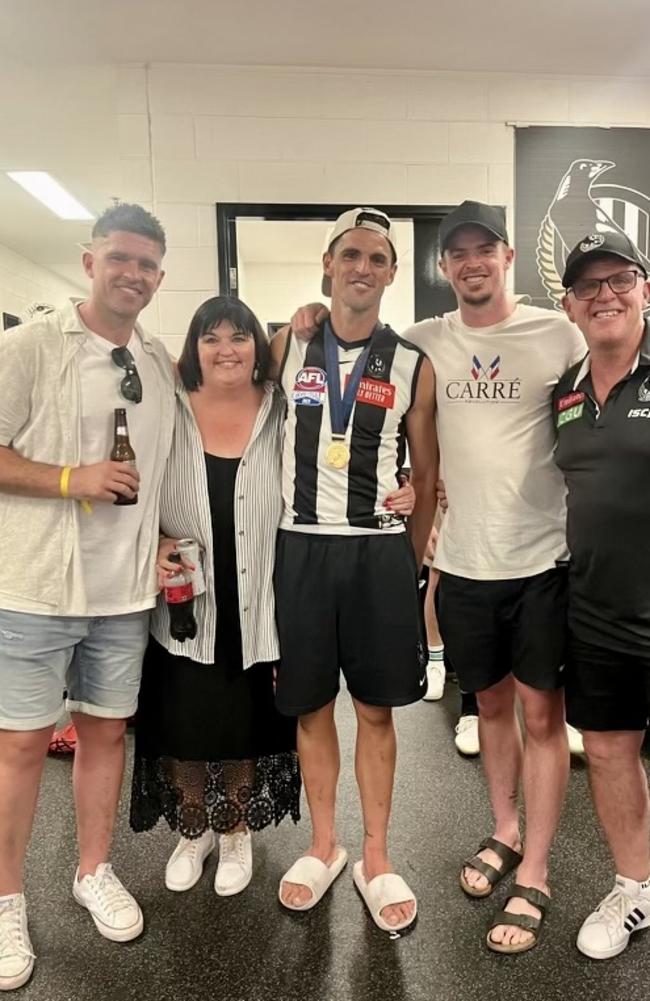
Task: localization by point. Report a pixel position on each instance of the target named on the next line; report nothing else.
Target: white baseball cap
(360, 218)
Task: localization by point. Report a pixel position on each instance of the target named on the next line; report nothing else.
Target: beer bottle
(122, 450)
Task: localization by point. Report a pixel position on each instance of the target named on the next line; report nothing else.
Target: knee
(610, 750)
(494, 705)
(93, 731)
(23, 750)
(374, 717)
(543, 725)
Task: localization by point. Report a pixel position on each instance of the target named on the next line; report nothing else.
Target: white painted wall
(187, 136)
(22, 282)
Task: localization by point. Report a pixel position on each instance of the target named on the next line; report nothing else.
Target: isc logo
(311, 378)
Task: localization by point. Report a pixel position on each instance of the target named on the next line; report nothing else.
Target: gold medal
(337, 455)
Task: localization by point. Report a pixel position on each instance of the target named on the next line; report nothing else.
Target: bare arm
(278, 348)
(102, 481)
(423, 453)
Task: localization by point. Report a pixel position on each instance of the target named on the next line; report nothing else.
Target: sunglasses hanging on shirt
(131, 385)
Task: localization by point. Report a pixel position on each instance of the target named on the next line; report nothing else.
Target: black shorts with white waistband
(347, 603)
(493, 628)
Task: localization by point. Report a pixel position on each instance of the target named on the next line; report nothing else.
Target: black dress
(211, 750)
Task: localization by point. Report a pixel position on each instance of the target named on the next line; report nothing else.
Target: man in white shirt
(79, 562)
(502, 598)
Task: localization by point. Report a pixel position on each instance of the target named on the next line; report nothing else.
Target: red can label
(180, 593)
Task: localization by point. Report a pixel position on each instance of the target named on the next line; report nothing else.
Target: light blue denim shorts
(98, 661)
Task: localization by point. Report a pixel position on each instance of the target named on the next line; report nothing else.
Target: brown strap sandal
(526, 921)
(508, 856)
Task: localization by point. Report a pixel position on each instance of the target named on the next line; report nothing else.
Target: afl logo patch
(309, 386)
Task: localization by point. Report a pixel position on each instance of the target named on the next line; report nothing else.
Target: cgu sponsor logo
(639, 412)
(484, 386)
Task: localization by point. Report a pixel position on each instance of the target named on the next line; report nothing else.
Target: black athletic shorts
(606, 690)
(492, 628)
(347, 603)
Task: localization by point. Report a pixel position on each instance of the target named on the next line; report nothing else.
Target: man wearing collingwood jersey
(346, 570)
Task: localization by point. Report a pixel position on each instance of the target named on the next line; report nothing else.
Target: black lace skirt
(211, 750)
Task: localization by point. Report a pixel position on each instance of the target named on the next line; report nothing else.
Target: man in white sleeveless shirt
(346, 574)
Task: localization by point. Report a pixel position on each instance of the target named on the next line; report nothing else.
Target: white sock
(632, 887)
(436, 653)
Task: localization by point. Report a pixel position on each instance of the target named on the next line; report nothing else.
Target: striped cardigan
(185, 513)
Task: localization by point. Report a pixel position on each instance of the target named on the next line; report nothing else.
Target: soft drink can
(190, 550)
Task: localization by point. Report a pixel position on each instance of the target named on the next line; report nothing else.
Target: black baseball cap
(614, 244)
(490, 217)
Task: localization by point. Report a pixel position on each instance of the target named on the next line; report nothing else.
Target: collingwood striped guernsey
(317, 498)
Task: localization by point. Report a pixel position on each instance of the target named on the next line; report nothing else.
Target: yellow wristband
(64, 482)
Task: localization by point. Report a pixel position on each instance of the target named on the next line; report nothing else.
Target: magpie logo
(584, 204)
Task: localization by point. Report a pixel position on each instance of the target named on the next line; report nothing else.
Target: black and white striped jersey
(349, 501)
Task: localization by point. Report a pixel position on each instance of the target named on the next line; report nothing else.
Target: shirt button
(241, 497)
(243, 462)
(245, 609)
(243, 569)
(240, 532)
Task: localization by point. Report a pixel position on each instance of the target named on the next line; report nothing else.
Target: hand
(441, 494)
(164, 566)
(306, 320)
(104, 481)
(431, 545)
(401, 501)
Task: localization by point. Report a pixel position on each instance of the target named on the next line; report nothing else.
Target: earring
(256, 373)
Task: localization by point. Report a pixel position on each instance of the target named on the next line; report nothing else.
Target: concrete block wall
(22, 282)
(191, 136)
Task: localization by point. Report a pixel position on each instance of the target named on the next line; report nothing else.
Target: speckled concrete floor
(198, 946)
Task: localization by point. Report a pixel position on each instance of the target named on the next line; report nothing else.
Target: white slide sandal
(382, 891)
(309, 871)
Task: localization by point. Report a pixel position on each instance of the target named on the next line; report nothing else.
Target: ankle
(510, 836)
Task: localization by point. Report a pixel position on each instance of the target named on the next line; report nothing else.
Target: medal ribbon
(341, 406)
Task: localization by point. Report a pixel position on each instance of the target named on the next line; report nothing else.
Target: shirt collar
(71, 321)
(642, 357)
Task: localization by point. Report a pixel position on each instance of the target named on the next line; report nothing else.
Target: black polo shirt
(605, 457)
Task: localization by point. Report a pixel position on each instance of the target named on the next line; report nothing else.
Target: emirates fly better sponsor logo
(486, 384)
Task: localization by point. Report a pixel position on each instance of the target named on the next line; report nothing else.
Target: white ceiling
(553, 36)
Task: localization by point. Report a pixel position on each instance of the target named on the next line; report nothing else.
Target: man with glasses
(602, 417)
(79, 574)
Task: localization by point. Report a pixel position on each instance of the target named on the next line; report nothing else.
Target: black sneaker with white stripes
(625, 910)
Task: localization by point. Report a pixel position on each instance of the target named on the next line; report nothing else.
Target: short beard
(481, 300)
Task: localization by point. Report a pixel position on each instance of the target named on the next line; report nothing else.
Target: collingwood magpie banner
(571, 183)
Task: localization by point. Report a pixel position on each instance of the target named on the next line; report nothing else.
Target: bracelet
(64, 482)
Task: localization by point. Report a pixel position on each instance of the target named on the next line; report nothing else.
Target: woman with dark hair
(212, 754)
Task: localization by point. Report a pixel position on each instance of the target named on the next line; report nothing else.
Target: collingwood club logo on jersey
(484, 384)
(579, 206)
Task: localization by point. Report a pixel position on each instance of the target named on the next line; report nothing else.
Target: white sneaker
(235, 863)
(185, 866)
(115, 912)
(576, 745)
(435, 681)
(16, 954)
(607, 931)
(466, 739)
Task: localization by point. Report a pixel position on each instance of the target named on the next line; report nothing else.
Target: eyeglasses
(130, 386)
(589, 288)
